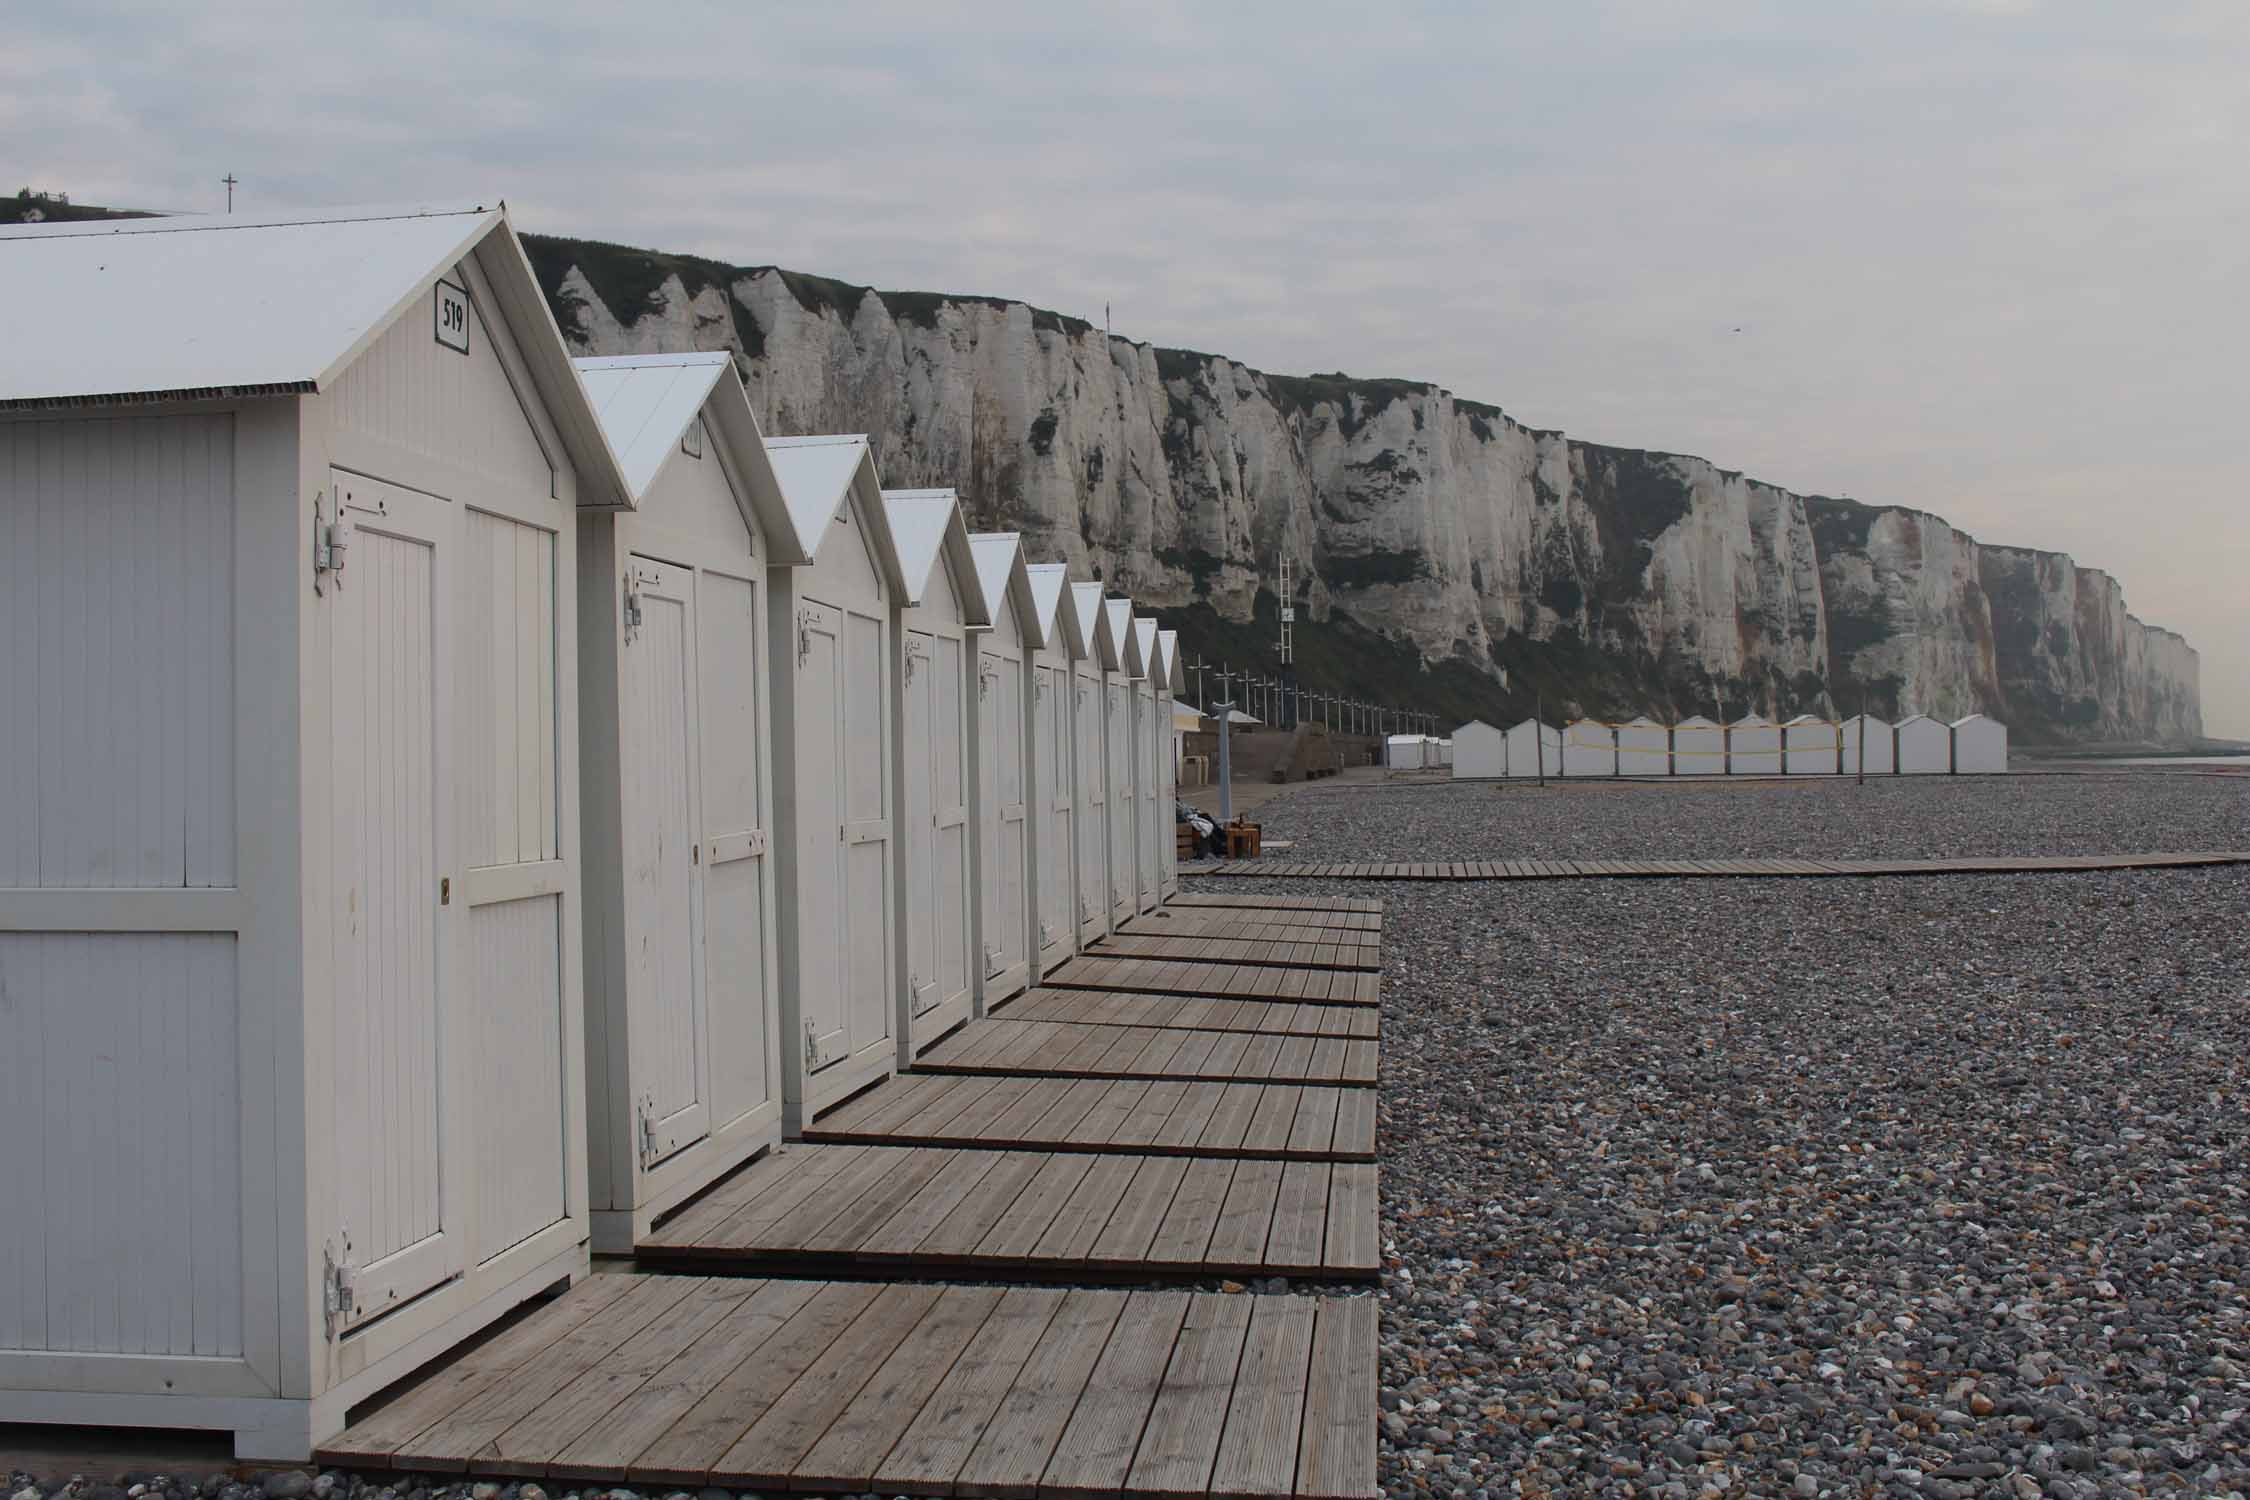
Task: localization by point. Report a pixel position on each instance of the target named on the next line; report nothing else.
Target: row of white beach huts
(457, 802)
(1750, 746)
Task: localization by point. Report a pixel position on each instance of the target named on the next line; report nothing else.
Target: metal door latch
(337, 1294)
(331, 541)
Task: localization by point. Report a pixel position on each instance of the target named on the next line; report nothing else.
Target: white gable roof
(1125, 646)
(818, 477)
(232, 305)
(926, 527)
(1144, 641)
(1175, 671)
(1058, 622)
(1001, 575)
(646, 401)
(1093, 623)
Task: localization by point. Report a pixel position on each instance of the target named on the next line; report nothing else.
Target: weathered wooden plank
(1180, 1442)
(1094, 1455)
(938, 1441)
(1257, 1454)
(855, 1443)
(1020, 1438)
(1336, 1451)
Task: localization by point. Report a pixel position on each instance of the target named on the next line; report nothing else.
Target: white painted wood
(834, 706)
(658, 741)
(1004, 795)
(516, 949)
(391, 836)
(938, 877)
(1149, 758)
(1481, 752)
(1054, 843)
(1644, 748)
(1117, 721)
(1089, 727)
(1811, 746)
(1534, 749)
(362, 956)
(116, 546)
(1980, 746)
(1589, 748)
(1699, 747)
(119, 1102)
(738, 895)
(1925, 747)
(1753, 747)
(1878, 739)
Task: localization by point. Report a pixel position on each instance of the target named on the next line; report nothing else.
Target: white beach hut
(835, 717)
(1089, 715)
(1152, 812)
(1810, 747)
(288, 782)
(1980, 746)
(1925, 746)
(1121, 667)
(1054, 834)
(1699, 747)
(1589, 748)
(1001, 678)
(936, 881)
(1879, 738)
(1171, 679)
(1479, 752)
(1754, 746)
(1644, 748)
(1534, 749)
(1407, 752)
(683, 1055)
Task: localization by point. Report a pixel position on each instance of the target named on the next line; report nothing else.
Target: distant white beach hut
(1980, 746)
(1444, 752)
(1699, 747)
(1810, 747)
(1753, 746)
(1534, 749)
(1925, 746)
(1880, 739)
(1589, 748)
(1408, 752)
(1644, 748)
(1479, 752)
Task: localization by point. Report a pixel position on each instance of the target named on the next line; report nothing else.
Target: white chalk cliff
(1434, 534)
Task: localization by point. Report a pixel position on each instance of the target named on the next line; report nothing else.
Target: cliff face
(1425, 531)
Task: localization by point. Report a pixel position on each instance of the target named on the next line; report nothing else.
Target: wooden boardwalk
(1061, 1049)
(882, 1210)
(1277, 926)
(1203, 900)
(1217, 981)
(1195, 1013)
(905, 1388)
(1199, 1106)
(1313, 949)
(1629, 869)
(1275, 1120)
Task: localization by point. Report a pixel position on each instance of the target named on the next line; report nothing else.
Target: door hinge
(337, 1299)
(632, 608)
(804, 635)
(332, 539)
(645, 1116)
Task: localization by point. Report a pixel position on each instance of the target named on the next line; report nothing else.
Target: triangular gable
(1175, 671)
(1124, 645)
(927, 529)
(646, 401)
(1753, 721)
(1144, 638)
(1695, 721)
(1058, 621)
(1004, 580)
(819, 476)
(1971, 719)
(1474, 724)
(227, 306)
(1099, 646)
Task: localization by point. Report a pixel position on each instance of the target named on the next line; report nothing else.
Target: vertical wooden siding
(117, 652)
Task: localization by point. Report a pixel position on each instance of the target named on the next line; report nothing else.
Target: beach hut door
(662, 855)
(397, 1189)
(822, 833)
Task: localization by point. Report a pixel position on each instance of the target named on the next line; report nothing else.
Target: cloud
(1987, 254)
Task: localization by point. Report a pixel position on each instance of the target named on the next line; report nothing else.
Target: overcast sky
(1984, 257)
